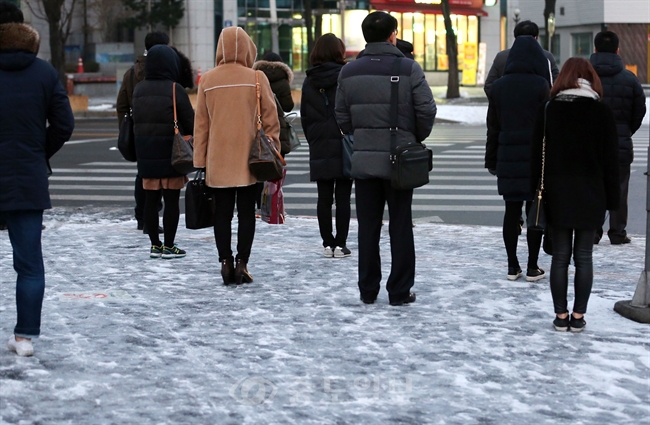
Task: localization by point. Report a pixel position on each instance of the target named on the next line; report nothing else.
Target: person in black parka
(153, 118)
(324, 139)
(35, 121)
(581, 179)
(514, 101)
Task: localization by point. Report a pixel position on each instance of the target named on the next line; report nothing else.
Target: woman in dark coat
(324, 139)
(153, 117)
(580, 180)
(514, 101)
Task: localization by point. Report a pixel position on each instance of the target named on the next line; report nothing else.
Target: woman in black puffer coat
(153, 117)
(581, 180)
(514, 101)
(324, 139)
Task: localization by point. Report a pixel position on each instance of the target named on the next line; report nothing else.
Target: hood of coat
(274, 71)
(235, 46)
(527, 57)
(19, 44)
(325, 75)
(606, 64)
(162, 64)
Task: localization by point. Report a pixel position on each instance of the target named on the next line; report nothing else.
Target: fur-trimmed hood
(274, 70)
(15, 36)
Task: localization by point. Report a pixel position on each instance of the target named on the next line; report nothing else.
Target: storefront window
(582, 44)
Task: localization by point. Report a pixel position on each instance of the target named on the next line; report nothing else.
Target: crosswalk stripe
(415, 196)
(425, 187)
(89, 187)
(415, 207)
(105, 198)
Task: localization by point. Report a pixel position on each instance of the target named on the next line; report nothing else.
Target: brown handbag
(182, 147)
(264, 160)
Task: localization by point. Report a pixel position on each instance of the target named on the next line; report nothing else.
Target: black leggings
(328, 190)
(511, 235)
(225, 207)
(583, 246)
(170, 215)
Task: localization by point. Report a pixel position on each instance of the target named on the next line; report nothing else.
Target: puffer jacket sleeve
(184, 111)
(423, 103)
(201, 129)
(638, 108)
(270, 122)
(305, 118)
(60, 119)
(123, 103)
(493, 130)
(283, 92)
(610, 159)
(342, 109)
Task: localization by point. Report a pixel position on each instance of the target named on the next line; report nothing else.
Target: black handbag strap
(394, 100)
(541, 180)
(330, 108)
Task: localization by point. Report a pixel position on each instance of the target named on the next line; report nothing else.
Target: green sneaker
(173, 252)
(156, 251)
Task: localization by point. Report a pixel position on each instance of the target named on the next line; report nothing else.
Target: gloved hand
(492, 171)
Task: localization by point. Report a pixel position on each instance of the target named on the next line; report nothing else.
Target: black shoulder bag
(410, 164)
(126, 137)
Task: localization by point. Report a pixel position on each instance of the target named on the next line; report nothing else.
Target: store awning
(458, 7)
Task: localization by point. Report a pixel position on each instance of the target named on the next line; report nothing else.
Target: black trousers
(170, 215)
(582, 246)
(618, 218)
(225, 207)
(371, 197)
(511, 235)
(328, 191)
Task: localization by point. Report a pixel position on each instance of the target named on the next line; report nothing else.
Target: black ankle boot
(241, 273)
(227, 271)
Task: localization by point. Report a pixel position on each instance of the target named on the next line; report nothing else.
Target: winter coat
(153, 113)
(319, 122)
(623, 93)
(35, 119)
(512, 110)
(135, 74)
(280, 76)
(363, 107)
(581, 167)
(226, 112)
(499, 66)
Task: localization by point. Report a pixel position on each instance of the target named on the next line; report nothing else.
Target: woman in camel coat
(224, 129)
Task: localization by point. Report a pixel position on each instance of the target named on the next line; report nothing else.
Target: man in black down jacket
(35, 122)
(624, 94)
(366, 113)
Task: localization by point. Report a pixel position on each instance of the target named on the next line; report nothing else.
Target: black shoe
(410, 298)
(146, 231)
(577, 325)
(561, 325)
(533, 275)
(368, 300)
(514, 273)
(626, 239)
(596, 240)
(3, 227)
(228, 271)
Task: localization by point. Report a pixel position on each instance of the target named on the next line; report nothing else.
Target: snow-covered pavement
(129, 339)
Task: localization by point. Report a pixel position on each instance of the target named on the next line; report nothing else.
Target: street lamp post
(516, 17)
(550, 28)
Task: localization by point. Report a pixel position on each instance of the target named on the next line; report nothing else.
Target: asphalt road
(89, 173)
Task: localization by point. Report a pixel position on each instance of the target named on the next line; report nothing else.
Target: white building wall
(490, 34)
(194, 35)
(627, 11)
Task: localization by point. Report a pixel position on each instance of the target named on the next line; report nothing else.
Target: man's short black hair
(154, 38)
(526, 28)
(378, 26)
(606, 42)
(10, 13)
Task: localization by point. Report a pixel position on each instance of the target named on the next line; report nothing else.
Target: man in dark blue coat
(366, 114)
(624, 94)
(35, 122)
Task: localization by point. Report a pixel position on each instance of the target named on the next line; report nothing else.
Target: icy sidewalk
(128, 339)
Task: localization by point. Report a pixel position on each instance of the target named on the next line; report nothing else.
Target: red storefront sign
(458, 7)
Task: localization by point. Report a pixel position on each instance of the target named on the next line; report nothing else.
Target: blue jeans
(581, 246)
(25, 235)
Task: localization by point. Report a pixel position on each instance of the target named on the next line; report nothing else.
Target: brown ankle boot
(241, 273)
(227, 271)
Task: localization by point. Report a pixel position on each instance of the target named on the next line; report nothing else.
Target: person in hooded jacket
(624, 94)
(153, 123)
(324, 139)
(513, 104)
(577, 133)
(224, 130)
(35, 121)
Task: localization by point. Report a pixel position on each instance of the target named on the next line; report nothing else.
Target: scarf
(584, 90)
